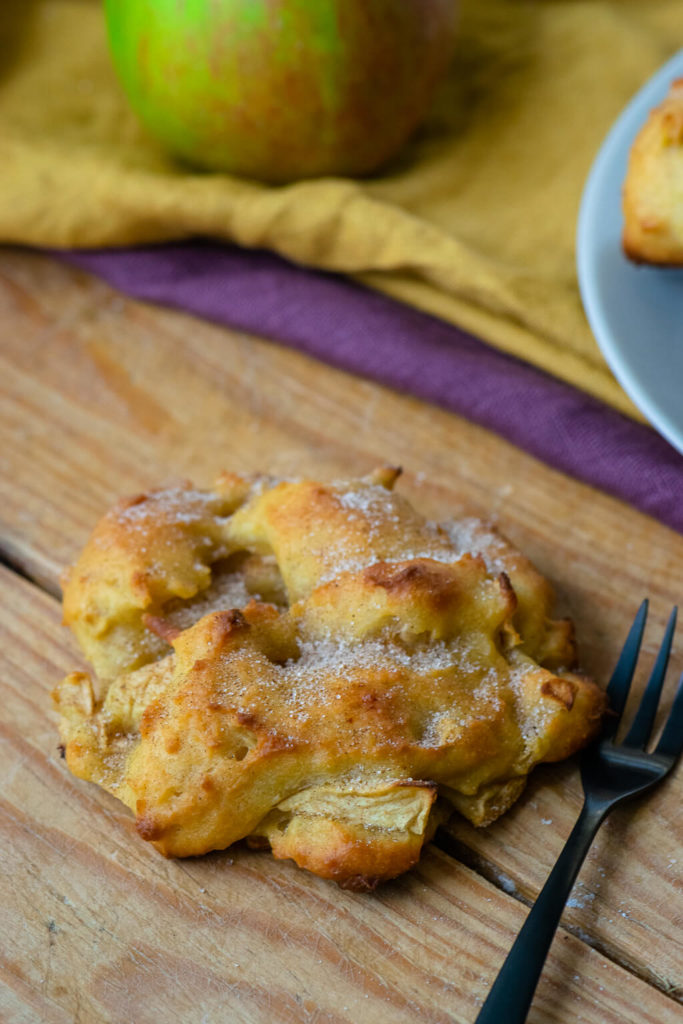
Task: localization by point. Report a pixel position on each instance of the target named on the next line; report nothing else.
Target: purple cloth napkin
(361, 331)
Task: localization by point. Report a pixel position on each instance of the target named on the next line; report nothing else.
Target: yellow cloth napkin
(474, 223)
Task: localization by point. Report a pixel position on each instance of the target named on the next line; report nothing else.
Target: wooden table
(102, 396)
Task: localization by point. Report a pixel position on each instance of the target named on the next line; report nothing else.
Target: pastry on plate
(313, 667)
(653, 189)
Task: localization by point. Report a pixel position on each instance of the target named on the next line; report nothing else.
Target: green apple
(281, 89)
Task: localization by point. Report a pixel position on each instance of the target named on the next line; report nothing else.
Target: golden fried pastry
(315, 668)
(653, 190)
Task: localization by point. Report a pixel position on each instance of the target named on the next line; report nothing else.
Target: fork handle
(510, 997)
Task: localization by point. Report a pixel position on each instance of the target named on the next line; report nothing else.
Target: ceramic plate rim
(610, 166)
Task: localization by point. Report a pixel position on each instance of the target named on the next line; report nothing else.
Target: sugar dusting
(182, 505)
(324, 670)
(448, 679)
(226, 590)
(472, 536)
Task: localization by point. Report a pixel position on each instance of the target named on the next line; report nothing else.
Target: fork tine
(620, 683)
(671, 741)
(639, 733)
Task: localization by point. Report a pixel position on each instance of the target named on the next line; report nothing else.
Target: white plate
(635, 312)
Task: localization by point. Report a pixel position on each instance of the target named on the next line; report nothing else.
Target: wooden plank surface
(102, 396)
(98, 927)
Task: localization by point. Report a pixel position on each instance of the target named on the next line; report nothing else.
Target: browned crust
(162, 627)
(562, 690)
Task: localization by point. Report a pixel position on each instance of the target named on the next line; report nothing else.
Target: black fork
(610, 772)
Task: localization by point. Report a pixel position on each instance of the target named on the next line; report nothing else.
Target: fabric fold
(474, 222)
(345, 325)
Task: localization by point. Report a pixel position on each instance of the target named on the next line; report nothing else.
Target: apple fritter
(653, 190)
(315, 668)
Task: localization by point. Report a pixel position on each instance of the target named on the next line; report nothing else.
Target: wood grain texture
(102, 396)
(97, 926)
